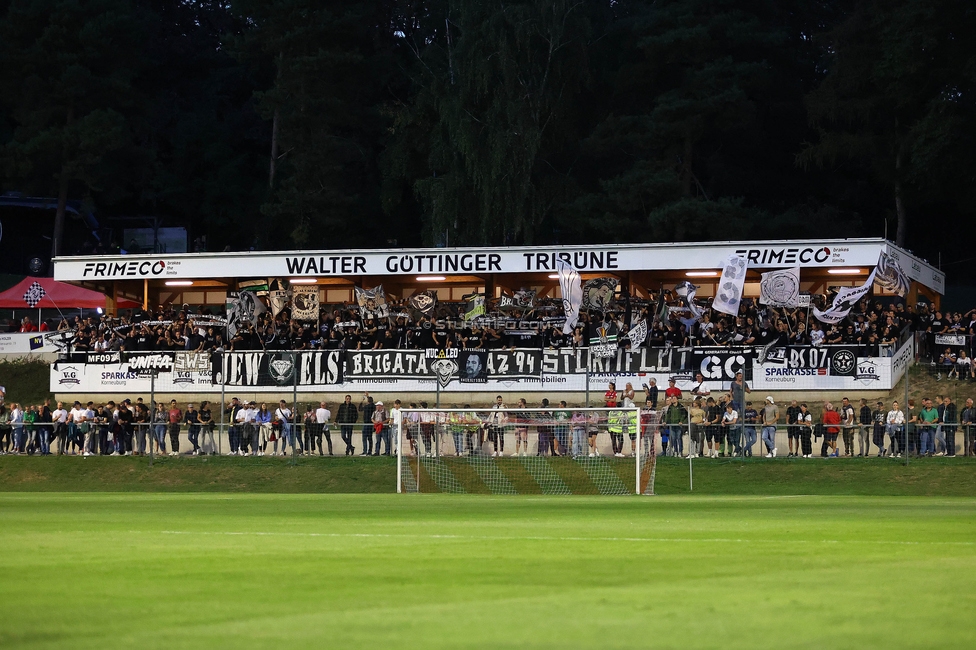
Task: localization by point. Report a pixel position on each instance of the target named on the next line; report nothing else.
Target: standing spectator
(208, 446)
(125, 417)
(696, 417)
(675, 416)
(75, 436)
(522, 419)
(651, 392)
(323, 417)
(578, 425)
(793, 429)
(713, 435)
(911, 429)
(381, 429)
(233, 411)
(968, 418)
(949, 423)
(367, 408)
(738, 390)
(346, 417)
(831, 422)
(879, 418)
(730, 420)
(895, 426)
(17, 427)
(562, 417)
(60, 419)
(750, 418)
(610, 397)
(848, 422)
(496, 427)
(310, 426)
(284, 417)
(804, 421)
(928, 419)
(939, 444)
(770, 418)
(699, 389)
(866, 422)
(175, 417)
(672, 390)
(192, 420)
(5, 430)
(396, 416)
(265, 432)
(160, 418)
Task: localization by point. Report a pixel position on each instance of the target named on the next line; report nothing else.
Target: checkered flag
(34, 294)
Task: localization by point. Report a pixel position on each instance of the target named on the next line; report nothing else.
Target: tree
(69, 70)
(495, 87)
(898, 99)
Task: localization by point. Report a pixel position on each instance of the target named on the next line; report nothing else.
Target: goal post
(553, 450)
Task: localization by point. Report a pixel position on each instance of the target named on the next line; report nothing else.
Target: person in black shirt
(192, 419)
(865, 420)
(125, 429)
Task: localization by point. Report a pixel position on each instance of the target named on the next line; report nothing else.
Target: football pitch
(429, 571)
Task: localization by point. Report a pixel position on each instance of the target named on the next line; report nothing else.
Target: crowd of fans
(723, 425)
(876, 327)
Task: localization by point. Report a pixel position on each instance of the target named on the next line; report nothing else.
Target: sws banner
(285, 368)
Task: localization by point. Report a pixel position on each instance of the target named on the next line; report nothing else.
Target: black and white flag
(730, 285)
(571, 288)
(890, 277)
(305, 303)
(34, 294)
(372, 302)
(843, 302)
(686, 290)
(424, 302)
(242, 307)
(780, 288)
(279, 295)
(598, 294)
(638, 334)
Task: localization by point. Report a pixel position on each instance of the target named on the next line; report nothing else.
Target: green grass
(433, 571)
(871, 476)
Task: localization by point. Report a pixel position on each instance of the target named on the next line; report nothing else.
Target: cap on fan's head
(379, 403)
(769, 398)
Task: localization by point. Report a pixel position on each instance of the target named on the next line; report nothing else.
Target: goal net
(526, 451)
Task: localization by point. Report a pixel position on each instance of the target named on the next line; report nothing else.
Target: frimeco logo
(133, 269)
(785, 255)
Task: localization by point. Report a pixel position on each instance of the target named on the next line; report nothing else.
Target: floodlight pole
(397, 423)
(223, 384)
(691, 472)
(152, 410)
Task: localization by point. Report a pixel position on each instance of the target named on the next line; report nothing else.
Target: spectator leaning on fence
(770, 418)
(831, 422)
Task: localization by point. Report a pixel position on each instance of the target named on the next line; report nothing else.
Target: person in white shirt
(381, 427)
(322, 418)
(496, 427)
(729, 420)
(895, 427)
(283, 416)
(90, 431)
(245, 420)
(17, 423)
(816, 334)
(395, 417)
(60, 419)
(75, 417)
